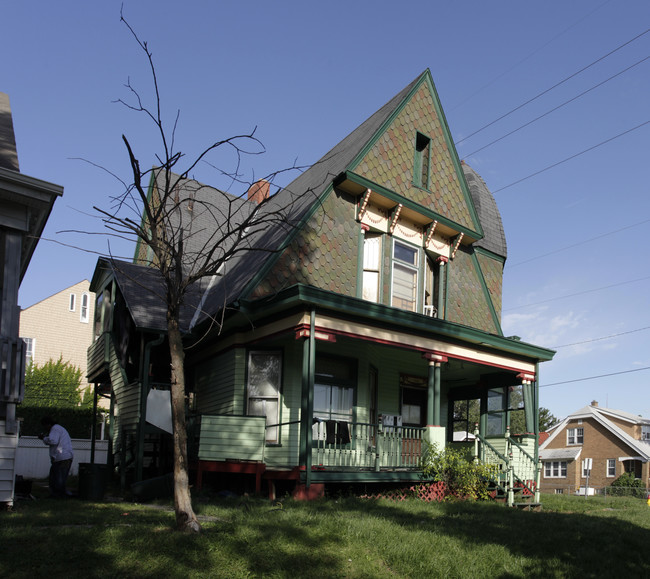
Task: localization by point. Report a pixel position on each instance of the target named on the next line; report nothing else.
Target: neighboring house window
(422, 166)
(29, 350)
(264, 380)
(405, 276)
(73, 300)
(334, 390)
(371, 263)
(575, 435)
(611, 467)
(645, 432)
(555, 469)
(85, 300)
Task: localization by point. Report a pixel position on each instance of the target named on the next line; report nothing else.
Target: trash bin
(92, 480)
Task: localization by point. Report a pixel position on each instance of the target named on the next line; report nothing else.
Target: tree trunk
(185, 518)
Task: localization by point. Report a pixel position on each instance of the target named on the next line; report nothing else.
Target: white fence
(33, 458)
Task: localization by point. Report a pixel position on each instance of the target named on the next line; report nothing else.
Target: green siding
(232, 437)
(219, 384)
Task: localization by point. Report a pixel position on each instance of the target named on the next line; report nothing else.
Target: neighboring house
(615, 441)
(60, 327)
(368, 325)
(25, 205)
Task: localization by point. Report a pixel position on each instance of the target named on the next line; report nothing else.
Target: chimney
(594, 403)
(259, 191)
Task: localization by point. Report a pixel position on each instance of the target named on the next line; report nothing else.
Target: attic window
(421, 170)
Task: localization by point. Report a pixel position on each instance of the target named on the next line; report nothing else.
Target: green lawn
(571, 537)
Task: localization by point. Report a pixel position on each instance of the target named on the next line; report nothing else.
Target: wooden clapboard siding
(220, 384)
(8, 444)
(232, 437)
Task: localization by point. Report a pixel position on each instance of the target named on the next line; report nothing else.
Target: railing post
(511, 482)
(538, 480)
(476, 444)
(377, 445)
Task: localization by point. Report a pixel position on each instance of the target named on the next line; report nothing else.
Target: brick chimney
(594, 403)
(259, 191)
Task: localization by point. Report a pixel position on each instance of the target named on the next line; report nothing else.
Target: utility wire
(571, 157)
(530, 55)
(556, 108)
(578, 243)
(553, 87)
(595, 377)
(601, 338)
(577, 294)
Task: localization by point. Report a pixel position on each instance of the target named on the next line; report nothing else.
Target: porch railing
(515, 465)
(366, 445)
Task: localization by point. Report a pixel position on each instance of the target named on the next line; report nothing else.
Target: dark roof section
(8, 154)
(298, 198)
(144, 292)
(494, 239)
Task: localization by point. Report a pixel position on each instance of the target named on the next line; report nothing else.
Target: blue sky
(306, 74)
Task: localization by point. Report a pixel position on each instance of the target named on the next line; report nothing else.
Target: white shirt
(60, 444)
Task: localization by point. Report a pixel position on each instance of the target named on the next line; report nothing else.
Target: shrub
(627, 485)
(463, 478)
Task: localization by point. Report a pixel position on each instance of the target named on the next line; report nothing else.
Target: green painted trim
(399, 199)
(490, 254)
(486, 293)
(268, 265)
(324, 476)
(299, 296)
(361, 254)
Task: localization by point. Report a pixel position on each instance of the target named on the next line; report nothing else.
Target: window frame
(368, 268)
(72, 302)
(84, 308)
(555, 469)
(277, 397)
(645, 432)
(611, 462)
(575, 436)
(414, 268)
(30, 348)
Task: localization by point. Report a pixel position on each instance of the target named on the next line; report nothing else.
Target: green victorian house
(366, 329)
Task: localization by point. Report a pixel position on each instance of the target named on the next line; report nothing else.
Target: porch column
(531, 408)
(307, 399)
(433, 390)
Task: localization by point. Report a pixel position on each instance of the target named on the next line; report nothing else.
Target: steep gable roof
(600, 416)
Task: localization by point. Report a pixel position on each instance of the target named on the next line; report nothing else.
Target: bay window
(264, 380)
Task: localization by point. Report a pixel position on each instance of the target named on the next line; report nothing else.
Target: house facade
(60, 326)
(361, 328)
(25, 205)
(613, 442)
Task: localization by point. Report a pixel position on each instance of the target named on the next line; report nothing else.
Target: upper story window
(371, 266)
(421, 169)
(575, 435)
(73, 302)
(85, 307)
(645, 432)
(405, 276)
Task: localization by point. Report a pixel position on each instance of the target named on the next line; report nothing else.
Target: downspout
(144, 392)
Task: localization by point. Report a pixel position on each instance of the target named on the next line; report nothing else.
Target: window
(611, 467)
(517, 417)
(29, 350)
(334, 390)
(72, 304)
(422, 166)
(405, 276)
(465, 415)
(83, 316)
(555, 469)
(559, 491)
(496, 405)
(264, 380)
(371, 262)
(574, 435)
(645, 432)
(414, 400)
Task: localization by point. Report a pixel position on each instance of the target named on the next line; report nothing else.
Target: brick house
(60, 326)
(614, 440)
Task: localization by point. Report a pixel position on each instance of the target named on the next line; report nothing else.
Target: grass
(571, 537)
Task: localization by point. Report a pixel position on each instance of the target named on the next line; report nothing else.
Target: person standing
(61, 455)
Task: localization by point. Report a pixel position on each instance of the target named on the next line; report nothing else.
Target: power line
(601, 338)
(595, 377)
(578, 243)
(577, 294)
(553, 87)
(571, 157)
(528, 57)
(556, 108)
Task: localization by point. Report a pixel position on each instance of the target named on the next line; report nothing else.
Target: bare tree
(183, 252)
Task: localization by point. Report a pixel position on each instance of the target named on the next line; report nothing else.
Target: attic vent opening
(422, 168)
